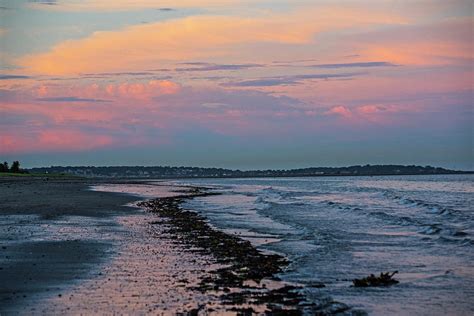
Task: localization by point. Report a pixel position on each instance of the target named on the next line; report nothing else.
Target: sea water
(335, 229)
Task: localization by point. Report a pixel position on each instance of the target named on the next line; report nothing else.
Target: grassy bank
(49, 175)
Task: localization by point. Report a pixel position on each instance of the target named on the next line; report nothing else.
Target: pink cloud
(137, 113)
(142, 90)
(136, 90)
(371, 109)
(339, 110)
(155, 112)
(52, 140)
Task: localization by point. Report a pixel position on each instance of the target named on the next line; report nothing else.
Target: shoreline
(67, 249)
(248, 282)
(110, 258)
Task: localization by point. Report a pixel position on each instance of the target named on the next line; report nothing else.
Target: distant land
(160, 172)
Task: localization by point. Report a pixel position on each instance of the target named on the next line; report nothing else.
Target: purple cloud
(70, 99)
(355, 65)
(214, 67)
(286, 80)
(7, 77)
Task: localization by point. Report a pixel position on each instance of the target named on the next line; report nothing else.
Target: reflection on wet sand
(148, 272)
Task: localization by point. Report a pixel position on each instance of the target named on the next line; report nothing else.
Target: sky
(249, 84)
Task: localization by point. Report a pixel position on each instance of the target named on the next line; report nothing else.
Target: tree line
(197, 172)
(15, 168)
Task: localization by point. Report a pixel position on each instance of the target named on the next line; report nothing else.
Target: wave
(448, 235)
(431, 207)
(443, 229)
(273, 201)
(431, 230)
(396, 219)
(458, 241)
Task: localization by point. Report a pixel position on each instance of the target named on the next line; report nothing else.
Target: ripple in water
(336, 229)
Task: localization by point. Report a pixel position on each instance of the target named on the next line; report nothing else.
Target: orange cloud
(420, 53)
(199, 37)
(445, 42)
(144, 46)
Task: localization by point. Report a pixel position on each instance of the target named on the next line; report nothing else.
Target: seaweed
(242, 262)
(385, 279)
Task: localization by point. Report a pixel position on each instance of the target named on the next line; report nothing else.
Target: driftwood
(385, 279)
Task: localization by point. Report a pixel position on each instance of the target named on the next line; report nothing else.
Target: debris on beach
(385, 279)
(240, 280)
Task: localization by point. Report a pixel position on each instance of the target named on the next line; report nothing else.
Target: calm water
(336, 229)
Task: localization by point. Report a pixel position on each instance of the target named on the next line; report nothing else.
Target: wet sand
(42, 251)
(64, 248)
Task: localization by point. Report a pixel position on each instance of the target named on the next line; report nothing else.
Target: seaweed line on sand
(241, 283)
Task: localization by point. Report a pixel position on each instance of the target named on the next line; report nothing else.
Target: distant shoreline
(312, 176)
(166, 172)
(270, 177)
(70, 177)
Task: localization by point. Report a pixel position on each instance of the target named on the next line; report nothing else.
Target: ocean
(335, 229)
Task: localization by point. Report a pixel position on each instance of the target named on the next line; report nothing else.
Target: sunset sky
(239, 83)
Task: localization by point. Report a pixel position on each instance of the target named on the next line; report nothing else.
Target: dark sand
(67, 250)
(58, 197)
(34, 263)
